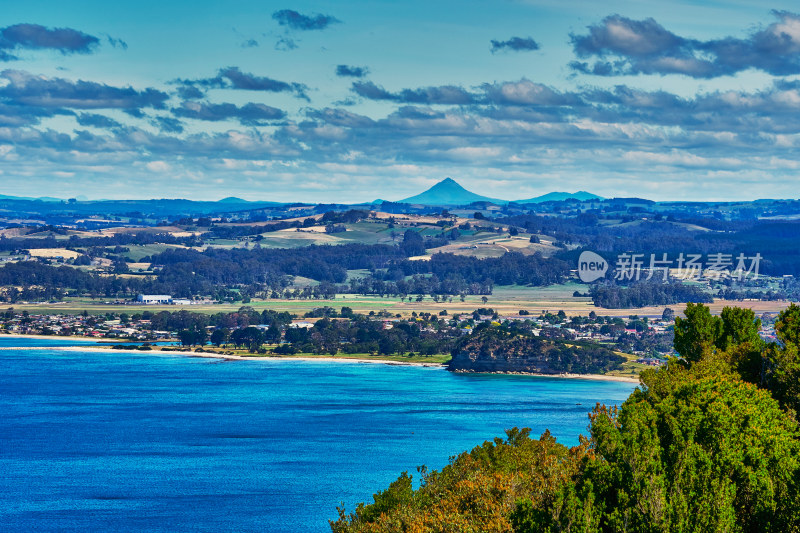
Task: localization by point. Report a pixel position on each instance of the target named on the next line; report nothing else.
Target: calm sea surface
(128, 442)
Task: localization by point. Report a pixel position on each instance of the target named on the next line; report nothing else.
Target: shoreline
(56, 337)
(211, 355)
(593, 377)
(104, 346)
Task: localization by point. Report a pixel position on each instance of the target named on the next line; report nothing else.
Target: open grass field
(480, 243)
(484, 244)
(301, 282)
(476, 242)
(505, 300)
(224, 243)
(357, 274)
(138, 251)
(172, 230)
(10, 233)
(54, 252)
(360, 232)
(630, 368)
(370, 233)
(291, 238)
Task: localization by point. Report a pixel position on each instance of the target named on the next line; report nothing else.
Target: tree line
(645, 293)
(708, 443)
(74, 242)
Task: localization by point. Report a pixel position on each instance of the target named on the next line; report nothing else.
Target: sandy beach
(65, 337)
(105, 346)
(209, 355)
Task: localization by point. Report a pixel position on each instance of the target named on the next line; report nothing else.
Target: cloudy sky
(358, 100)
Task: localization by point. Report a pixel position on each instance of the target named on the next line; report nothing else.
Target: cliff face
(519, 354)
(493, 350)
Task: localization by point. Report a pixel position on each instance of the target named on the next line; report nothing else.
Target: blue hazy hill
(560, 197)
(449, 192)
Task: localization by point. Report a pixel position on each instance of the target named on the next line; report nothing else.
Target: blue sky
(352, 101)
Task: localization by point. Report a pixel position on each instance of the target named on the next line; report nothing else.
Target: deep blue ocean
(127, 442)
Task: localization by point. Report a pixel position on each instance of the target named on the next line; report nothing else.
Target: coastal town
(649, 339)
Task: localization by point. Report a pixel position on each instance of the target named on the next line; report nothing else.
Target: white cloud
(158, 166)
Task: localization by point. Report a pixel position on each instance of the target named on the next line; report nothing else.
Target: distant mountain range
(41, 198)
(445, 193)
(449, 192)
(583, 196)
(156, 207)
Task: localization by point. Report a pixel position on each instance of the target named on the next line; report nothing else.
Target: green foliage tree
(784, 360)
(708, 443)
(220, 336)
(712, 455)
(477, 492)
(698, 333)
(192, 336)
(739, 326)
(251, 337)
(787, 326)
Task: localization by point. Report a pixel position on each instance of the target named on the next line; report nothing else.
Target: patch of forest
(613, 296)
(508, 349)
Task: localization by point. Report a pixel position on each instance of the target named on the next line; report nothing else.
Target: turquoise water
(151, 442)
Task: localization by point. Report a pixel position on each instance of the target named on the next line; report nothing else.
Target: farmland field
(506, 301)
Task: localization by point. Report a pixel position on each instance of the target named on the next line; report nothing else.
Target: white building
(152, 299)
